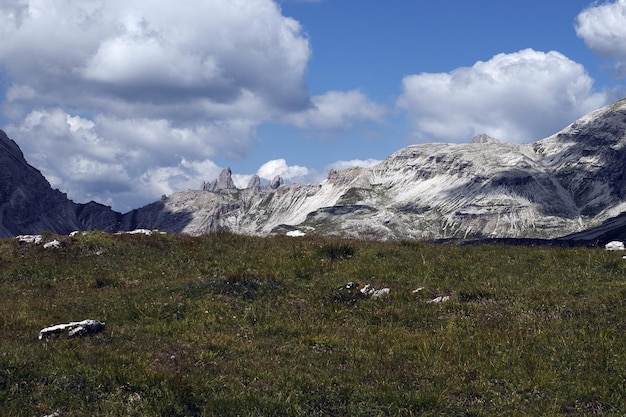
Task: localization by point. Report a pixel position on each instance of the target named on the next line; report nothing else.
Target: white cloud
(364, 163)
(120, 160)
(521, 97)
(279, 167)
(157, 52)
(166, 180)
(118, 100)
(603, 28)
(240, 180)
(337, 110)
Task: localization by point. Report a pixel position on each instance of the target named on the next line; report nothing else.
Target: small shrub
(349, 293)
(102, 282)
(248, 286)
(475, 295)
(336, 251)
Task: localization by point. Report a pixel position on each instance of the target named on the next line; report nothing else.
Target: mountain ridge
(556, 187)
(28, 203)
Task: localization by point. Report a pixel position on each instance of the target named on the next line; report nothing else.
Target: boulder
(73, 329)
(614, 245)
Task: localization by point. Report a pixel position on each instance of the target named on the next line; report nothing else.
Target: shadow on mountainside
(592, 161)
(156, 216)
(536, 187)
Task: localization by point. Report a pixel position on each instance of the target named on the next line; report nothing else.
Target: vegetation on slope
(223, 325)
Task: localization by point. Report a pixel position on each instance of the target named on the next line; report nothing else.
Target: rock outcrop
(255, 184)
(484, 138)
(223, 182)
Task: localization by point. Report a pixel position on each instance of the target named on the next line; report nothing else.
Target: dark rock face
(28, 204)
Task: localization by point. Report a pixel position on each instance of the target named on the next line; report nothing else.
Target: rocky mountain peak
(276, 182)
(562, 185)
(223, 182)
(255, 184)
(28, 204)
(484, 138)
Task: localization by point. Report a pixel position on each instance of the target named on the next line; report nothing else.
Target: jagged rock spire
(224, 182)
(255, 184)
(276, 182)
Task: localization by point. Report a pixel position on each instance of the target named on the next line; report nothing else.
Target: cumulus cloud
(521, 97)
(279, 167)
(166, 180)
(128, 96)
(364, 163)
(337, 110)
(123, 160)
(603, 28)
(210, 50)
(123, 100)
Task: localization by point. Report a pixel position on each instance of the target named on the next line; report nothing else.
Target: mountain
(28, 204)
(570, 186)
(561, 185)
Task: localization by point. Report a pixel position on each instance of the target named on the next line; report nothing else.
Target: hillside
(229, 325)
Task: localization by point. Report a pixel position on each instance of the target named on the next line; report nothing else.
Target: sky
(123, 101)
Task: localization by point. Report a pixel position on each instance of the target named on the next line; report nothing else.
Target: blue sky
(121, 101)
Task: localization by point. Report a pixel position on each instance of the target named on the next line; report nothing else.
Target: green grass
(223, 325)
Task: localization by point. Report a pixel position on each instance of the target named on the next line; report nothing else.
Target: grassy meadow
(228, 325)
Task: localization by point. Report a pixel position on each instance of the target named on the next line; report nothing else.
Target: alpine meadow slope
(559, 186)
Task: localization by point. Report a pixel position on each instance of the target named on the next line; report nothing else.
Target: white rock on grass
(438, 300)
(73, 329)
(383, 292)
(36, 239)
(295, 233)
(369, 290)
(614, 245)
(146, 232)
(55, 244)
(140, 232)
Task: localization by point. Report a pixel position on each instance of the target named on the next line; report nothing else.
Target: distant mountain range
(570, 186)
